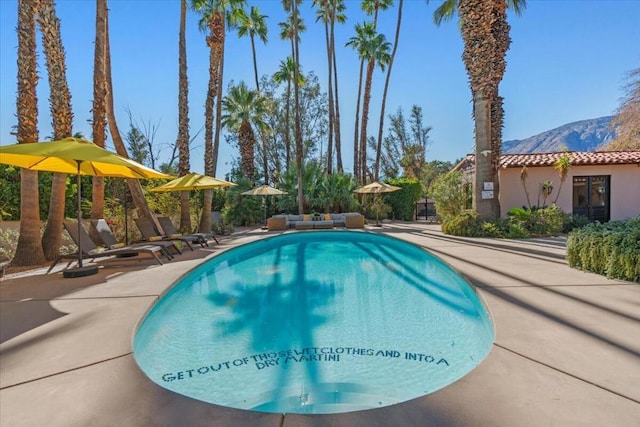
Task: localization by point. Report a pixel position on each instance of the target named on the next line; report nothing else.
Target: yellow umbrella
(264, 190)
(193, 181)
(75, 156)
(376, 188)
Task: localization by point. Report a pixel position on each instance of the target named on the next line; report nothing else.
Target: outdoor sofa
(305, 222)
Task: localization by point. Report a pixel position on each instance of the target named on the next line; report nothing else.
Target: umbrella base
(86, 270)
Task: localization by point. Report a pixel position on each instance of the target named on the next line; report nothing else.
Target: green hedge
(611, 249)
(403, 201)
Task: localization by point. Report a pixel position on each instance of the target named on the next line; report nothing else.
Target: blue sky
(568, 61)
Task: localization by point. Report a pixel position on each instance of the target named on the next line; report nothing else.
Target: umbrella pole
(80, 271)
(264, 227)
(79, 217)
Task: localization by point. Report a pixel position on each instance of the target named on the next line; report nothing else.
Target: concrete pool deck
(567, 348)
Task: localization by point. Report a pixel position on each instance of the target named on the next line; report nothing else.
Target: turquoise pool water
(315, 322)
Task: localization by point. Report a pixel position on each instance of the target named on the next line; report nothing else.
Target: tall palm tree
(213, 14)
(337, 16)
(327, 12)
(135, 188)
(485, 63)
(62, 119)
(291, 29)
(372, 7)
(253, 24)
(243, 109)
(286, 74)
(183, 119)
(99, 109)
(384, 93)
(29, 249)
(374, 49)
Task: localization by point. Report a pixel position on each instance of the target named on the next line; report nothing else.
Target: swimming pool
(315, 322)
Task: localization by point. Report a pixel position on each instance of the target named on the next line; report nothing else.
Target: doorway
(591, 197)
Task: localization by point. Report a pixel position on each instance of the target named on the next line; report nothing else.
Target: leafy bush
(449, 195)
(611, 249)
(465, 224)
(520, 223)
(571, 222)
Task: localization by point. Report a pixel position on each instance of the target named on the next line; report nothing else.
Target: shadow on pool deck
(566, 352)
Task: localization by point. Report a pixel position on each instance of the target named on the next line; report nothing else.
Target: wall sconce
(485, 152)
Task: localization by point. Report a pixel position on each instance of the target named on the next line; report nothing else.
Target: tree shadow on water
(281, 315)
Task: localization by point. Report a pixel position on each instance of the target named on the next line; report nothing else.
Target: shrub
(570, 222)
(611, 249)
(466, 224)
(403, 201)
(449, 195)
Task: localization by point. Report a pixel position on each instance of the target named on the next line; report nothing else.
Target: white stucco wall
(625, 188)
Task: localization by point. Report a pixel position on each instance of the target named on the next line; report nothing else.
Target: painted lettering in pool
(298, 355)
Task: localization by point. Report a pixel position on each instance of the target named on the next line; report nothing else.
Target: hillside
(585, 135)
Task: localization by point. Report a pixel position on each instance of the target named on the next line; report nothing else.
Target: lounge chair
(90, 251)
(170, 230)
(108, 239)
(149, 233)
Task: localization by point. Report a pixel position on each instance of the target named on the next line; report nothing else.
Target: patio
(566, 352)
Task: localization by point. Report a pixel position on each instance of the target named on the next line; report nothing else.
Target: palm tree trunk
(29, 248)
(296, 91)
(365, 119)
(216, 139)
(183, 120)
(336, 127)
(482, 114)
(135, 188)
(62, 117)
(255, 63)
(356, 140)
(287, 133)
(99, 123)
(330, 92)
(384, 93)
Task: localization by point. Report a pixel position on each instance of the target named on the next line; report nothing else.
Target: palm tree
(328, 11)
(341, 18)
(135, 188)
(291, 29)
(384, 93)
(183, 119)
(98, 110)
(62, 119)
(212, 20)
(485, 63)
(244, 108)
(286, 74)
(29, 249)
(253, 24)
(374, 49)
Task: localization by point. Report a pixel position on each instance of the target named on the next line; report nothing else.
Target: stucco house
(603, 185)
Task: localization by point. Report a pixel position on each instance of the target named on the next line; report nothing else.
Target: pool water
(315, 322)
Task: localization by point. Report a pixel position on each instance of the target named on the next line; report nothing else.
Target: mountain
(585, 135)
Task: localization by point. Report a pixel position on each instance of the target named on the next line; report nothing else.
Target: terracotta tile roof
(578, 158)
